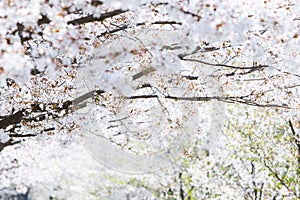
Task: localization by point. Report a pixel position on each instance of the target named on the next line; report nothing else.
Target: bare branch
(92, 18)
(297, 143)
(143, 73)
(192, 14)
(282, 182)
(10, 142)
(21, 136)
(12, 119)
(126, 26)
(230, 99)
(259, 67)
(86, 96)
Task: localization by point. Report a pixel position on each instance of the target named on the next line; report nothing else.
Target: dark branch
(114, 30)
(167, 22)
(91, 18)
(17, 117)
(86, 96)
(10, 142)
(44, 20)
(260, 67)
(292, 127)
(12, 119)
(21, 136)
(192, 14)
(126, 26)
(231, 99)
(297, 143)
(143, 73)
(281, 181)
(20, 30)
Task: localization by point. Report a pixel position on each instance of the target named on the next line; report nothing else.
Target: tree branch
(12, 119)
(77, 103)
(230, 99)
(297, 143)
(192, 14)
(259, 67)
(126, 26)
(282, 182)
(10, 142)
(91, 18)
